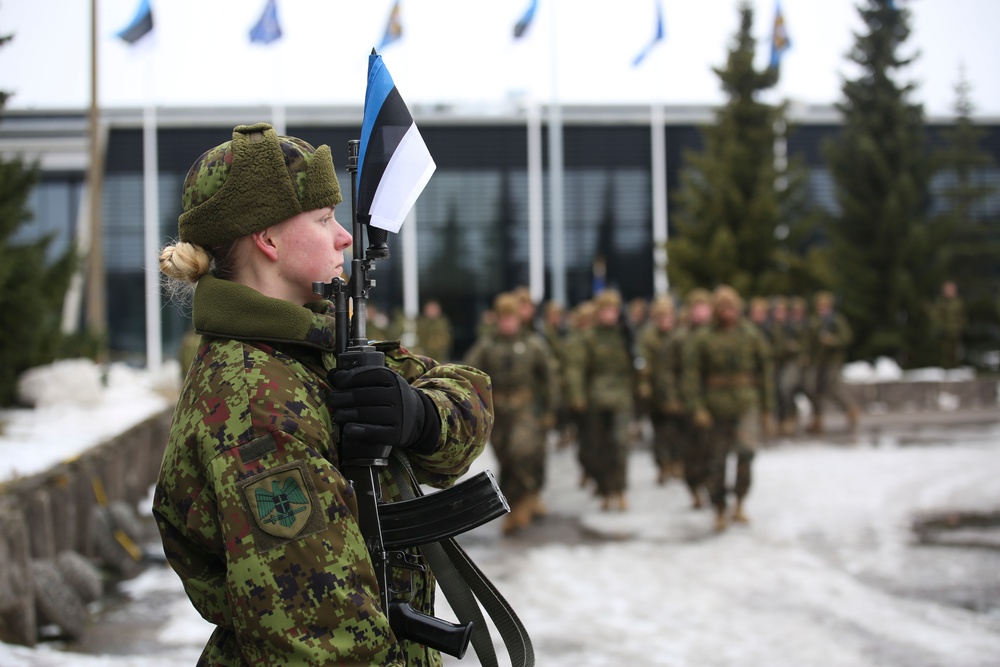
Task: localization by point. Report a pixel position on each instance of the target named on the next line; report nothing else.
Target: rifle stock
(387, 528)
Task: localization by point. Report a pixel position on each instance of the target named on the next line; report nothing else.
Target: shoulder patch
(283, 505)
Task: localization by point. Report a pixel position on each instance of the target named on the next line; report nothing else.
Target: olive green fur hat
(253, 182)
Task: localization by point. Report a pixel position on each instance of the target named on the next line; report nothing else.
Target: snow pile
(887, 370)
(78, 405)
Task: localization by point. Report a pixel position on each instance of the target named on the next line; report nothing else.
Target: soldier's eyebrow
(258, 448)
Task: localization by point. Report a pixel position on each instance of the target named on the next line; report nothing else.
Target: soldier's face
(726, 313)
(509, 324)
(608, 315)
(309, 248)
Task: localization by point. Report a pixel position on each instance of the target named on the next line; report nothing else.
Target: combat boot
(738, 515)
(538, 509)
(519, 517)
(720, 519)
(622, 503)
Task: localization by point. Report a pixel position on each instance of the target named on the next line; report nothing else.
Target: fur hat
(252, 182)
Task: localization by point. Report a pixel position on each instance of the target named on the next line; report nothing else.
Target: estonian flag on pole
(779, 37)
(394, 164)
(267, 29)
(522, 25)
(393, 27)
(658, 34)
(141, 24)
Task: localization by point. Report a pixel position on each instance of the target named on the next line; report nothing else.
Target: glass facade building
(472, 236)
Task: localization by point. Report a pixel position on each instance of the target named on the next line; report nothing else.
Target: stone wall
(60, 510)
(903, 396)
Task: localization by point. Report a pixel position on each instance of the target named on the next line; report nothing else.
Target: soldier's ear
(265, 243)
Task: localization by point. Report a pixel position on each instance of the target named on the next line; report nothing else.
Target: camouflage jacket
(602, 375)
(828, 339)
(254, 515)
(728, 371)
(519, 365)
(666, 371)
(434, 336)
(654, 347)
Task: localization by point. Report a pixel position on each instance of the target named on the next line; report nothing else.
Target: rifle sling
(462, 582)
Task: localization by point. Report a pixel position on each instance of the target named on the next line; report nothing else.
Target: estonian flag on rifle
(394, 164)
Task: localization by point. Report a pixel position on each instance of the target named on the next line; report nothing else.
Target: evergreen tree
(972, 259)
(882, 240)
(31, 287)
(741, 221)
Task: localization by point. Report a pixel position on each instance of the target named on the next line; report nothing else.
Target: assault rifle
(390, 527)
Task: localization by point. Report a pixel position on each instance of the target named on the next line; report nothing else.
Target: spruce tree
(31, 287)
(882, 240)
(739, 220)
(972, 254)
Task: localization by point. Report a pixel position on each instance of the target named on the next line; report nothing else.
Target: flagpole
(556, 208)
(96, 309)
(411, 274)
(151, 218)
(658, 150)
(536, 219)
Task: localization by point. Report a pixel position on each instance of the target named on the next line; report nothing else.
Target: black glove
(374, 405)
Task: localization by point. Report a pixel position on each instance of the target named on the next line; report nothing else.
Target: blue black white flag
(141, 24)
(267, 29)
(524, 23)
(658, 34)
(779, 37)
(393, 27)
(394, 164)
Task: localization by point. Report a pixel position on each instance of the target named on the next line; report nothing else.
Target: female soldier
(254, 514)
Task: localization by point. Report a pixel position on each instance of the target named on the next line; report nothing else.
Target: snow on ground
(78, 405)
(827, 573)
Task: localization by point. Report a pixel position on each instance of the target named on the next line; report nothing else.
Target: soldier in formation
(602, 383)
(658, 375)
(947, 316)
(728, 387)
(434, 332)
(828, 337)
(525, 394)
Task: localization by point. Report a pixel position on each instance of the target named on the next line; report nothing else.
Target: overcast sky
(462, 52)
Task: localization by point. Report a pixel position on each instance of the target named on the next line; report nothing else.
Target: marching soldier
(658, 374)
(694, 448)
(574, 354)
(728, 388)
(603, 383)
(829, 335)
(525, 388)
(434, 331)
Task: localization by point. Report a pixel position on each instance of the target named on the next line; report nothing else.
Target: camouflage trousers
(610, 433)
(695, 454)
(823, 384)
(788, 382)
(518, 440)
(668, 442)
(739, 436)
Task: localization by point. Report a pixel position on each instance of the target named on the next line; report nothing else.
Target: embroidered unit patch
(280, 501)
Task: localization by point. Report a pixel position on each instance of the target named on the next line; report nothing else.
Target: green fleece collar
(227, 309)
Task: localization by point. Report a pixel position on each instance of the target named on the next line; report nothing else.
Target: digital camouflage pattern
(255, 180)
(254, 515)
(434, 336)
